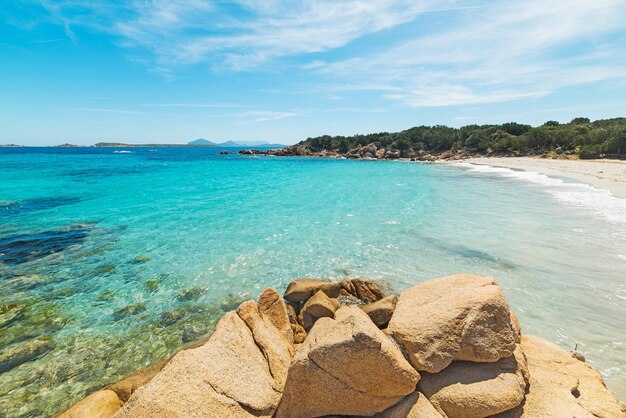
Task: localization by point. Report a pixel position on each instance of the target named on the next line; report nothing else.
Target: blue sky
(84, 71)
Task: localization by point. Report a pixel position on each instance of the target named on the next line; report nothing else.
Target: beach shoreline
(603, 174)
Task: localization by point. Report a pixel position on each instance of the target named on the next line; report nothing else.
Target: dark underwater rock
(19, 353)
(129, 310)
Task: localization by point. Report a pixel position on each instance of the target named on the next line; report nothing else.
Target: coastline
(603, 174)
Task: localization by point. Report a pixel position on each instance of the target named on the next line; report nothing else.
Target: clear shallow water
(110, 261)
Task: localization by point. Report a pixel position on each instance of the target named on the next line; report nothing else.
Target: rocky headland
(448, 347)
(372, 151)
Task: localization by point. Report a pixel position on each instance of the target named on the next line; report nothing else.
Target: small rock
(578, 355)
(364, 290)
(101, 404)
(380, 312)
(300, 290)
(319, 306)
(299, 333)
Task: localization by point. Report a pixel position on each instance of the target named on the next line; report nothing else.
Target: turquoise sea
(112, 258)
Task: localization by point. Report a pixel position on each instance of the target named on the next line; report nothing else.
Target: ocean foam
(583, 195)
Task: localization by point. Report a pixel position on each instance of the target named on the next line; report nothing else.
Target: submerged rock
(105, 296)
(346, 366)
(129, 310)
(192, 293)
(141, 259)
(232, 301)
(11, 312)
(151, 285)
(170, 317)
(22, 352)
(459, 317)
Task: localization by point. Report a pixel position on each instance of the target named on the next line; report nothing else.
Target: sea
(113, 258)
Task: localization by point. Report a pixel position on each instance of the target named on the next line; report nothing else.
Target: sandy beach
(604, 174)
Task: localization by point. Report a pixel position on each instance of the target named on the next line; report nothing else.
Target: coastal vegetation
(580, 137)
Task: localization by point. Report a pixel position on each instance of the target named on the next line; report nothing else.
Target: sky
(152, 71)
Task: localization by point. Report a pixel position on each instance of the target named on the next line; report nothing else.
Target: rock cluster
(371, 151)
(448, 347)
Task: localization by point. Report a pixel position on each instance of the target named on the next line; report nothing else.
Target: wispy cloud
(475, 53)
(196, 105)
(507, 51)
(192, 31)
(265, 116)
(105, 110)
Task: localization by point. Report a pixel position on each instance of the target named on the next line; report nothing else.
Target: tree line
(581, 137)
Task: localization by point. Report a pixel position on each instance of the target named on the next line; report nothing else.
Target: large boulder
(459, 317)
(229, 375)
(346, 366)
(474, 390)
(300, 290)
(101, 404)
(273, 307)
(415, 405)
(562, 386)
(381, 311)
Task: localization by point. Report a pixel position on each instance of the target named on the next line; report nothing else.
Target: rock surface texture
(446, 348)
(459, 317)
(467, 389)
(563, 386)
(101, 404)
(239, 372)
(346, 366)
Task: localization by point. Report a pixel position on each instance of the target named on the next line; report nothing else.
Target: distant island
(231, 144)
(580, 138)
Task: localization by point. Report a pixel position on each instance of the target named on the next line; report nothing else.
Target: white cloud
(192, 31)
(487, 52)
(506, 51)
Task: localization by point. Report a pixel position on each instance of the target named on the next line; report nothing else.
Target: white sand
(604, 174)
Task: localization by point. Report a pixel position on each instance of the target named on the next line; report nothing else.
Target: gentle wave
(579, 194)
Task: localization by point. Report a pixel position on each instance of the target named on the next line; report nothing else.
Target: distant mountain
(226, 144)
(202, 141)
(229, 144)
